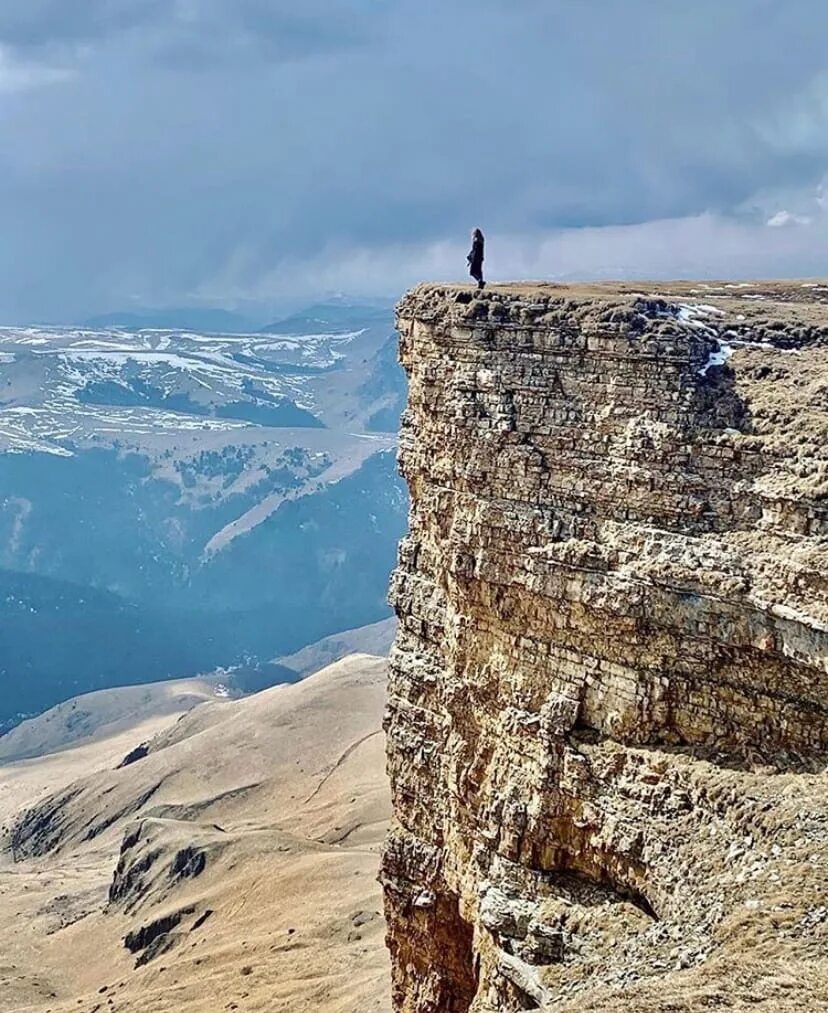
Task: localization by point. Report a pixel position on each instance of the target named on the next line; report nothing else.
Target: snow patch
(718, 357)
(699, 317)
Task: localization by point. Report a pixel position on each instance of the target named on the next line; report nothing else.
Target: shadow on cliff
(740, 759)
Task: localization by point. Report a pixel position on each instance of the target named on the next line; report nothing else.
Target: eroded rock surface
(608, 713)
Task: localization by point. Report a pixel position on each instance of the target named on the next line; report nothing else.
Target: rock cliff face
(608, 710)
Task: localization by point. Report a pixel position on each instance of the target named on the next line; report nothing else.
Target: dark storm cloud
(232, 149)
(33, 23)
(205, 30)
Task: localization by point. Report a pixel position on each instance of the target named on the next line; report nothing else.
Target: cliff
(607, 713)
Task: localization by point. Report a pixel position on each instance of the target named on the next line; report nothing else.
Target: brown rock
(613, 606)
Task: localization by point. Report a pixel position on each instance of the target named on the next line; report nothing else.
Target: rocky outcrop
(607, 709)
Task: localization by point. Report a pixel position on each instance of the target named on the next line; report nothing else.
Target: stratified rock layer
(608, 705)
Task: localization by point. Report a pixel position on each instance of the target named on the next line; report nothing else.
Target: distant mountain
(194, 318)
(385, 387)
(375, 639)
(96, 522)
(334, 317)
(58, 639)
(180, 501)
(326, 558)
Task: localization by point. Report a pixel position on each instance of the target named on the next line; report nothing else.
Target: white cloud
(18, 74)
(783, 218)
(702, 246)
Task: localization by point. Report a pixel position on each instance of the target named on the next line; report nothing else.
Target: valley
(208, 500)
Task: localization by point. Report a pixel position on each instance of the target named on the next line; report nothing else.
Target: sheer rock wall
(607, 701)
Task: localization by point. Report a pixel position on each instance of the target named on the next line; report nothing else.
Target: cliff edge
(608, 716)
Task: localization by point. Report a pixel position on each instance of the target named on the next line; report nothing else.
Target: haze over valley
(174, 501)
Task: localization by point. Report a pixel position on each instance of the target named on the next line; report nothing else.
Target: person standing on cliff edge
(475, 258)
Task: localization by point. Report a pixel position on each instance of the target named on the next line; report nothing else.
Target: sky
(252, 153)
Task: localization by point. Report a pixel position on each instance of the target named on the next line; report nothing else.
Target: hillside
(373, 639)
(233, 866)
(103, 715)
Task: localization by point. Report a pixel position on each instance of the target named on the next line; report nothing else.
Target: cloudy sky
(245, 153)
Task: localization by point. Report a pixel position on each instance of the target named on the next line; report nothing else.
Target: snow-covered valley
(223, 497)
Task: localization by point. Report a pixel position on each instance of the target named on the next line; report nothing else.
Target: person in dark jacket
(475, 258)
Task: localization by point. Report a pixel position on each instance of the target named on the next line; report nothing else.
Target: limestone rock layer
(607, 713)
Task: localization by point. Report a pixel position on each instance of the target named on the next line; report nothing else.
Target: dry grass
(284, 793)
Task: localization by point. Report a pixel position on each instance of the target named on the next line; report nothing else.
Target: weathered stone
(611, 669)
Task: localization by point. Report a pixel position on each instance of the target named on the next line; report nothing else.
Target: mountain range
(176, 500)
